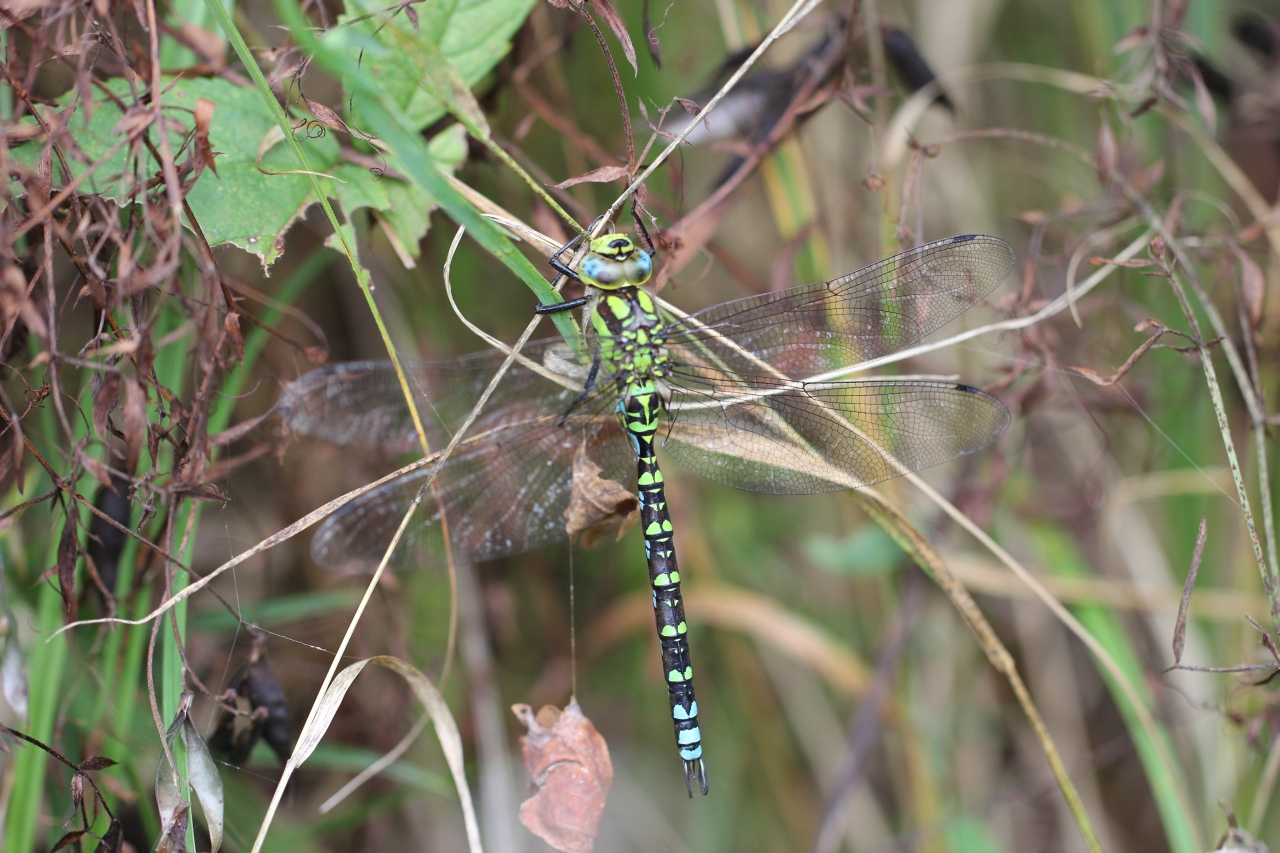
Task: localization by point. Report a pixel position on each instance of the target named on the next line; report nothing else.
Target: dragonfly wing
(789, 437)
(866, 314)
(361, 403)
(504, 491)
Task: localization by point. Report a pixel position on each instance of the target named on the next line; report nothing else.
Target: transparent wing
(360, 403)
(788, 437)
(505, 491)
(866, 314)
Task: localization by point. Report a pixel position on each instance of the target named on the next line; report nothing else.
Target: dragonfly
(735, 393)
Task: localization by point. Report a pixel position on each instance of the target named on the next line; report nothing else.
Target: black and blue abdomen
(631, 345)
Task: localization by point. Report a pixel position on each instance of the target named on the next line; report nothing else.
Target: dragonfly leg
(557, 307)
(563, 269)
(587, 388)
(644, 232)
(559, 265)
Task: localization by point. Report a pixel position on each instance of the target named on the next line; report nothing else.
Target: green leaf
(966, 835)
(202, 772)
(202, 775)
(404, 210)
(240, 204)
(866, 552)
(453, 42)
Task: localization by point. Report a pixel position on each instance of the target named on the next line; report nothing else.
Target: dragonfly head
(615, 262)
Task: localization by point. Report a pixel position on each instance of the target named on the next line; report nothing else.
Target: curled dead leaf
(135, 422)
(326, 116)
(1108, 152)
(1253, 286)
(611, 18)
(598, 506)
(568, 762)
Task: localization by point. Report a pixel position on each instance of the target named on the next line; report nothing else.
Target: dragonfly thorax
(632, 335)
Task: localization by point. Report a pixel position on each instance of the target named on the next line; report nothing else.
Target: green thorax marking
(626, 319)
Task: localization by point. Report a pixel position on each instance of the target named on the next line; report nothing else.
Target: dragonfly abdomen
(640, 419)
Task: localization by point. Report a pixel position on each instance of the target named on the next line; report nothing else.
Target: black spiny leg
(635, 215)
(587, 388)
(559, 265)
(563, 269)
(557, 307)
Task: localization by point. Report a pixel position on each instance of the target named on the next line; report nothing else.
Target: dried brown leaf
(1204, 100)
(134, 121)
(13, 296)
(135, 422)
(1253, 286)
(84, 43)
(1144, 107)
(71, 839)
(1267, 640)
(1108, 152)
(174, 832)
(1131, 40)
(598, 506)
(690, 107)
(203, 150)
(112, 839)
(1180, 625)
(231, 327)
(105, 396)
(1107, 381)
(16, 10)
(239, 430)
(77, 791)
(596, 176)
(201, 492)
(611, 17)
(96, 762)
(568, 761)
(326, 116)
(44, 172)
(68, 550)
(1132, 263)
(210, 46)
